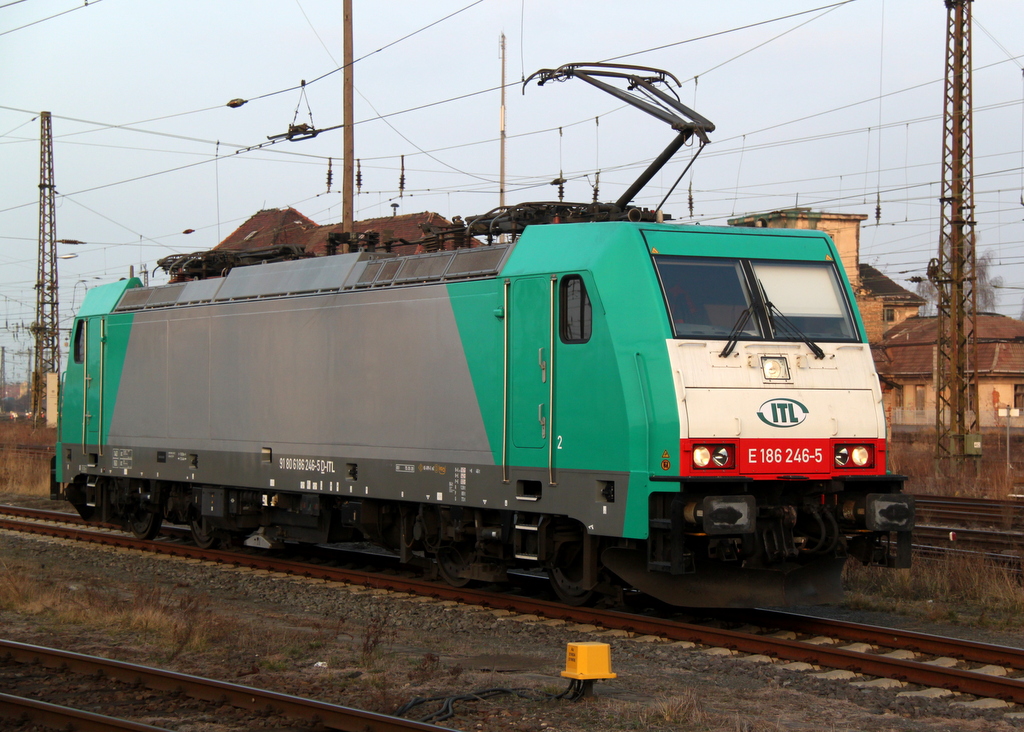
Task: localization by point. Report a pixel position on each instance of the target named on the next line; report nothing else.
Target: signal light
(714, 456)
(854, 456)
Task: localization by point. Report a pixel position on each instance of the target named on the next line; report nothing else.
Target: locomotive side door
(94, 356)
(530, 363)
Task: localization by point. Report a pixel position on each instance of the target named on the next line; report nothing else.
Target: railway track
(877, 657)
(1005, 514)
(113, 685)
(971, 527)
(27, 449)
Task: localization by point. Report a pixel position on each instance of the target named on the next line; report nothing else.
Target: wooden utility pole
(45, 328)
(958, 437)
(348, 171)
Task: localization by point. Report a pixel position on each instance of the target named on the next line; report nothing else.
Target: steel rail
(972, 651)
(1005, 513)
(244, 697)
(991, 539)
(65, 517)
(924, 534)
(58, 717)
(910, 671)
(40, 514)
(26, 449)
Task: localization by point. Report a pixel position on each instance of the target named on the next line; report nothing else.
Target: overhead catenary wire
(49, 17)
(716, 34)
(371, 53)
(739, 149)
(483, 91)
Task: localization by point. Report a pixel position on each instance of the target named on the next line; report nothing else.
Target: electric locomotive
(691, 410)
(688, 411)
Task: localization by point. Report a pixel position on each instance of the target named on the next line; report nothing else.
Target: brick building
(882, 303)
(906, 355)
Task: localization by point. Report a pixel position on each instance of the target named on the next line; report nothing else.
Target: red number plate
(790, 457)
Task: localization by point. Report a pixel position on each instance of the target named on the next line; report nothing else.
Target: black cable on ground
(575, 691)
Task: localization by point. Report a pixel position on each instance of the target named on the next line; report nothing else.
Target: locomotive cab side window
(576, 312)
(80, 341)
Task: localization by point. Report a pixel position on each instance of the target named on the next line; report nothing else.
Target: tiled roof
(270, 228)
(287, 226)
(908, 348)
(879, 285)
(406, 226)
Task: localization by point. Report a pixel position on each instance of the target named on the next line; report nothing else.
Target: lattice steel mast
(45, 327)
(953, 273)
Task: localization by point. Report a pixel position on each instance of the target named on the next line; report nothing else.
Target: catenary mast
(953, 273)
(45, 328)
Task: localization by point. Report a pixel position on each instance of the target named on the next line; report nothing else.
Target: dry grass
(682, 711)
(175, 622)
(914, 456)
(19, 473)
(946, 589)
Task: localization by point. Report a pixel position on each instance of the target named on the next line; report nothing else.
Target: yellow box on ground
(588, 661)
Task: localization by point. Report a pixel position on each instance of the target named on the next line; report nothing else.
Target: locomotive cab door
(530, 365)
(94, 357)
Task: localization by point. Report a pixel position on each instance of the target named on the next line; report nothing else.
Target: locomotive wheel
(450, 563)
(566, 575)
(145, 524)
(202, 535)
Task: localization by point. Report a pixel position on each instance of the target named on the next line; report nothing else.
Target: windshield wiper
(793, 330)
(734, 334)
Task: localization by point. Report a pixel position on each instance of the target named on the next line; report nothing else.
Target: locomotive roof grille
(340, 273)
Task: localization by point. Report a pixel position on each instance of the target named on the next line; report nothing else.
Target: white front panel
(837, 396)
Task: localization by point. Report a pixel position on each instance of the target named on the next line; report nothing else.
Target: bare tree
(986, 288)
(928, 291)
(988, 295)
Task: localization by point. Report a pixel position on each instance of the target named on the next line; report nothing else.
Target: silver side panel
(373, 374)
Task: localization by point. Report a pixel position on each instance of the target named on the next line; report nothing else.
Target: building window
(888, 314)
(576, 311)
(1018, 396)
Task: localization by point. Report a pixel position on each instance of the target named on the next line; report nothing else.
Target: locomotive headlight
(775, 368)
(714, 456)
(853, 456)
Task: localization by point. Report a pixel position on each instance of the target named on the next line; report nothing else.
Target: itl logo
(782, 412)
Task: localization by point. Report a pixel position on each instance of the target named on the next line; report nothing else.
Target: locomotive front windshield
(754, 299)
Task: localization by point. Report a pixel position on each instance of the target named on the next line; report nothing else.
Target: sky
(835, 106)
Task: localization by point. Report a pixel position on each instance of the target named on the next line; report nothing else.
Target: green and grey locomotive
(689, 411)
